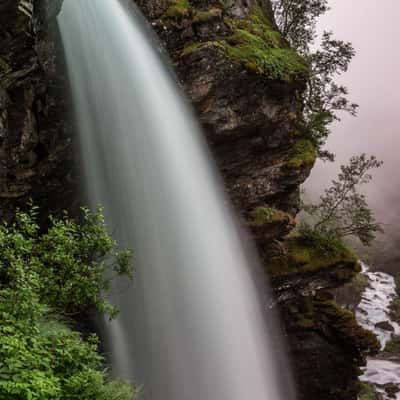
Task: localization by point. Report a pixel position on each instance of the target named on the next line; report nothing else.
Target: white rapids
(374, 308)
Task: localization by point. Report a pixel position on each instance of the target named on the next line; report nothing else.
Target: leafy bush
(67, 263)
(61, 269)
(325, 243)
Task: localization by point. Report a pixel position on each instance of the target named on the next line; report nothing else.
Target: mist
(373, 81)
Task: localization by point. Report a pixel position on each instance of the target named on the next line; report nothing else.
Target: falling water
(191, 327)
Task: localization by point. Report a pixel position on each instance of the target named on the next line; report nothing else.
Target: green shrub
(69, 260)
(324, 243)
(367, 392)
(42, 272)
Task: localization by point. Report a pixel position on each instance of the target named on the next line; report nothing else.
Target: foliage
(324, 98)
(40, 356)
(325, 243)
(306, 254)
(367, 392)
(69, 259)
(343, 211)
(297, 20)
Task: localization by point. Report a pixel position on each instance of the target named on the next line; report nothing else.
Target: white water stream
(374, 308)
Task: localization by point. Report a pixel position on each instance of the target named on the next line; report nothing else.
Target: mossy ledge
(262, 216)
(304, 154)
(178, 9)
(305, 258)
(253, 42)
(318, 313)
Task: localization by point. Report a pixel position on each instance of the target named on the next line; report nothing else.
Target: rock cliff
(246, 84)
(35, 140)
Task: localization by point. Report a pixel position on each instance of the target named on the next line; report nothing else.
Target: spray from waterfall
(192, 325)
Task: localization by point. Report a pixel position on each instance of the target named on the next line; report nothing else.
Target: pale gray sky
(373, 26)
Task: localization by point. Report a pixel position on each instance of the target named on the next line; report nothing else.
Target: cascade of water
(192, 326)
(374, 308)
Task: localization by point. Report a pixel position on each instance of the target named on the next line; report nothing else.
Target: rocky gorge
(245, 83)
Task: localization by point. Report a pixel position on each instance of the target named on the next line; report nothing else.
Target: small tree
(324, 98)
(343, 211)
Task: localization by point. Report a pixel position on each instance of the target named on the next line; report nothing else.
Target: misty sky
(373, 26)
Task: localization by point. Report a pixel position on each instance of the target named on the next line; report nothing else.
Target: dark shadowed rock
(385, 325)
(35, 140)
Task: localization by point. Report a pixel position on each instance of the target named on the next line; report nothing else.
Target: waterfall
(192, 325)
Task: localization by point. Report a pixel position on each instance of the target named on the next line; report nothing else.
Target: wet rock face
(35, 143)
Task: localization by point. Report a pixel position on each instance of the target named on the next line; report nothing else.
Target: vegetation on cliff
(253, 42)
(324, 99)
(321, 313)
(342, 210)
(257, 44)
(46, 279)
(311, 253)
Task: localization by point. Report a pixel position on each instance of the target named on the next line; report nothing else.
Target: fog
(373, 80)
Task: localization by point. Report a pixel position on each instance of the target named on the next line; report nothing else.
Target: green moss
(393, 345)
(178, 9)
(344, 324)
(305, 323)
(254, 43)
(321, 313)
(305, 257)
(367, 392)
(304, 154)
(207, 15)
(257, 45)
(267, 215)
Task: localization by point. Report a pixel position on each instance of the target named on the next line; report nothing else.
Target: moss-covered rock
(178, 9)
(262, 216)
(368, 392)
(257, 44)
(304, 258)
(328, 346)
(254, 42)
(304, 153)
